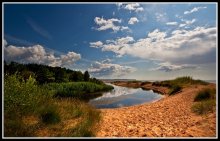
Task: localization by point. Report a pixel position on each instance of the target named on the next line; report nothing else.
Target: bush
(203, 107)
(162, 83)
(174, 89)
(23, 100)
(203, 95)
(206, 101)
(49, 115)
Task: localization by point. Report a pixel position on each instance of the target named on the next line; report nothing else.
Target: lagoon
(124, 96)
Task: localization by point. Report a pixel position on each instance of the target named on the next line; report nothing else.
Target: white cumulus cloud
(131, 7)
(96, 44)
(186, 46)
(133, 20)
(105, 24)
(109, 69)
(38, 54)
(125, 28)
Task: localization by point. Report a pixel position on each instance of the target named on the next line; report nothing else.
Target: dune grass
(203, 107)
(177, 84)
(205, 101)
(174, 89)
(31, 110)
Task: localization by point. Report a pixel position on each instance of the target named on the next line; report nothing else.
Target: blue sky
(145, 41)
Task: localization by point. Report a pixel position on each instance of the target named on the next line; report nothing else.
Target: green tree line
(47, 74)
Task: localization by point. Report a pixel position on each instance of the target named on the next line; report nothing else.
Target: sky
(143, 41)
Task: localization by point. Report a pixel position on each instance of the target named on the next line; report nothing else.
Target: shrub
(174, 89)
(203, 107)
(21, 98)
(49, 115)
(203, 95)
(206, 101)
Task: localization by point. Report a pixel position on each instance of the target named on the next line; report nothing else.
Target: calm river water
(123, 96)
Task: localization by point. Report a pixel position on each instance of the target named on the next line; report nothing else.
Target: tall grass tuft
(50, 115)
(174, 89)
(203, 107)
(205, 101)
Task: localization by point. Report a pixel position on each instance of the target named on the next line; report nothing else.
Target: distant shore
(147, 86)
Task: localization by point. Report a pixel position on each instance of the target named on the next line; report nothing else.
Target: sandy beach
(170, 116)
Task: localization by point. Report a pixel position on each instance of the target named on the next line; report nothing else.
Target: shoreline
(170, 116)
(148, 86)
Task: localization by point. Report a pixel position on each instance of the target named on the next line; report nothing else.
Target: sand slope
(168, 117)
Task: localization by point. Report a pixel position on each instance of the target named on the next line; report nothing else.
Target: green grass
(177, 84)
(205, 94)
(174, 89)
(50, 115)
(205, 101)
(187, 80)
(181, 81)
(203, 107)
(80, 90)
(23, 99)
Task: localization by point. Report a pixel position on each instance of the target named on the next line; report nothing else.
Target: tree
(86, 76)
(26, 74)
(44, 75)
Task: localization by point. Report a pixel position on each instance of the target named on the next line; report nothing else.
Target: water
(123, 96)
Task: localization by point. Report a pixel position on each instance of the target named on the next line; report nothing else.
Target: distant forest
(46, 74)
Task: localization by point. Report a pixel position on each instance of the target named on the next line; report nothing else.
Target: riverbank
(168, 117)
(145, 86)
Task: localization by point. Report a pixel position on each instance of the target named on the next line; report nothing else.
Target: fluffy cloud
(107, 24)
(134, 7)
(181, 46)
(108, 69)
(131, 7)
(125, 28)
(96, 44)
(133, 20)
(38, 54)
(119, 5)
(157, 35)
(171, 23)
(167, 67)
(195, 9)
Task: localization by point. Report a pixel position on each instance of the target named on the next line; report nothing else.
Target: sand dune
(168, 117)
